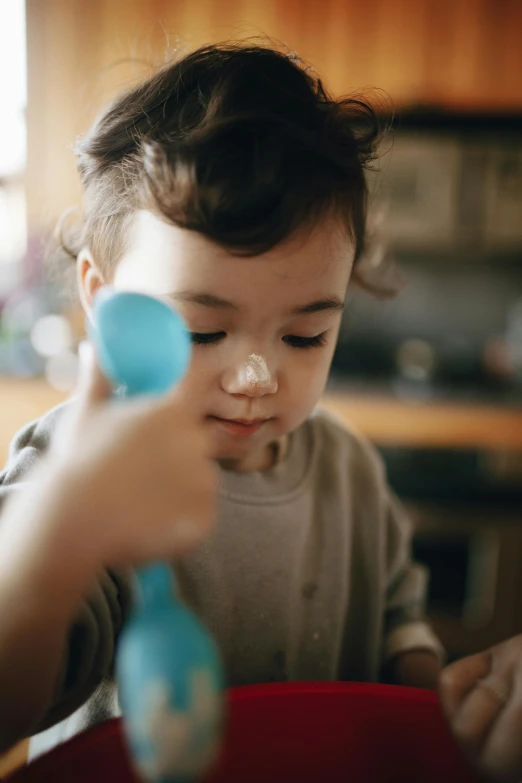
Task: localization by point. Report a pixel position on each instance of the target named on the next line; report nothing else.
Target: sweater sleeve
(89, 654)
(406, 588)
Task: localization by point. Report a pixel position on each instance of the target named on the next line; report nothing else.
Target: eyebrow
(207, 300)
(332, 303)
(319, 306)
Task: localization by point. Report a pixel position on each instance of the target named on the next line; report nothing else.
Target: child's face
(264, 328)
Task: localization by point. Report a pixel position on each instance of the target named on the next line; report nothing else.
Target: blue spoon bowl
(169, 674)
(142, 343)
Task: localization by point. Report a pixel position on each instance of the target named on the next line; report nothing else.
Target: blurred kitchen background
(434, 377)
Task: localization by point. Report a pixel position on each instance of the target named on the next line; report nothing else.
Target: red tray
(302, 732)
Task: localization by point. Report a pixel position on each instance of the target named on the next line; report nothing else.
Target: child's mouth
(240, 426)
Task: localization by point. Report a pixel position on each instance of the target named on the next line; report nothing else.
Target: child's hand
(482, 698)
(123, 482)
(415, 669)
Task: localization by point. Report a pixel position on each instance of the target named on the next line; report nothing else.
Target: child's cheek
(306, 385)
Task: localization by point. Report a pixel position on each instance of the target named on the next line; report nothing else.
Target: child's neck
(259, 461)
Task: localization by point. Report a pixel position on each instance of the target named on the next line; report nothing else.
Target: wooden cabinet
(473, 54)
(463, 53)
(503, 197)
(453, 53)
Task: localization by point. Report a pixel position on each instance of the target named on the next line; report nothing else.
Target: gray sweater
(307, 576)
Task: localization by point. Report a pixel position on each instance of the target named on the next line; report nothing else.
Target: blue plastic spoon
(168, 670)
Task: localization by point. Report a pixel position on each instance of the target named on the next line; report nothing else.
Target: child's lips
(240, 426)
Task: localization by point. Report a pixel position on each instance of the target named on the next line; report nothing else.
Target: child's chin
(239, 451)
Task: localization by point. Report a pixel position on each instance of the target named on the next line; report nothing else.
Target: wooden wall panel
(463, 53)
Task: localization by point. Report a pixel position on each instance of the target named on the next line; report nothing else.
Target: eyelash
(201, 338)
(304, 342)
(301, 343)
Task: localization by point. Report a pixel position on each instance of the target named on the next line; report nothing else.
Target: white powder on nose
(256, 372)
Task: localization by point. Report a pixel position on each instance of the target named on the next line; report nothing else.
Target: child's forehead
(163, 259)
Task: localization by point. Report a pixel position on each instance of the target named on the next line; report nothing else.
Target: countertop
(388, 420)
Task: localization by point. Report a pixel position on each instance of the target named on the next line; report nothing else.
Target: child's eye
(206, 338)
(304, 342)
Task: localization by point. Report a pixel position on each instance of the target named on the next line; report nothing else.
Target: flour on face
(255, 371)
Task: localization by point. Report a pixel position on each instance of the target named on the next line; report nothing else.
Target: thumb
(93, 386)
(458, 680)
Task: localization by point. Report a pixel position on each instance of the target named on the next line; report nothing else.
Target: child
(233, 186)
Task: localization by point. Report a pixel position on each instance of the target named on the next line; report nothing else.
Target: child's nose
(251, 377)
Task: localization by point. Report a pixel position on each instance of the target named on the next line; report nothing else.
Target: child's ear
(89, 279)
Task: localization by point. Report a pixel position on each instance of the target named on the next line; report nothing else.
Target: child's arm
(40, 589)
(116, 488)
(413, 655)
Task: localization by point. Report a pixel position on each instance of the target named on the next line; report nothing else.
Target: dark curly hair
(238, 142)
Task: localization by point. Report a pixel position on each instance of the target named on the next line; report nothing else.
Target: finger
(172, 403)
(481, 708)
(460, 678)
(501, 754)
(93, 386)
(184, 536)
(175, 398)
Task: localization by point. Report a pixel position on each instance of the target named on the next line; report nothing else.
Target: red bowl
(302, 732)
